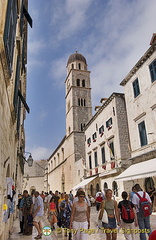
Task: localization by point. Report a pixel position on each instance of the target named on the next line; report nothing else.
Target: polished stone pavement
(95, 233)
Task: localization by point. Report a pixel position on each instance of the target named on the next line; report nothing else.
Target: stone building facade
(107, 144)
(71, 150)
(140, 95)
(13, 107)
(35, 177)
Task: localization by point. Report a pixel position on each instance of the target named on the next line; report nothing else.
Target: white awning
(139, 170)
(109, 172)
(83, 183)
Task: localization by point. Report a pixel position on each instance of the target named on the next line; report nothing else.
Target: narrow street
(95, 234)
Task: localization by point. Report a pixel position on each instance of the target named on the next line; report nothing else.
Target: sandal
(38, 236)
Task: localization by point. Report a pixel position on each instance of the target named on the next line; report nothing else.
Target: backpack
(144, 206)
(127, 213)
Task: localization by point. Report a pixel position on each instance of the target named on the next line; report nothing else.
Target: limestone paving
(59, 234)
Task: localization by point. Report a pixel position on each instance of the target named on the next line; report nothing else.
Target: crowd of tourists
(131, 215)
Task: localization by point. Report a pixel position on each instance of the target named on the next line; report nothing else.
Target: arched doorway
(105, 187)
(115, 188)
(149, 183)
(97, 187)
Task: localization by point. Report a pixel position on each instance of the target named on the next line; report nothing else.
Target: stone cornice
(142, 60)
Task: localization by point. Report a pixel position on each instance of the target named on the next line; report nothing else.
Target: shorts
(111, 223)
(37, 219)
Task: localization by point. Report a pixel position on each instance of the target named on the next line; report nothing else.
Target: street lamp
(29, 160)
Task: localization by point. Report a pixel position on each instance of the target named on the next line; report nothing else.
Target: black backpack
(127, 213)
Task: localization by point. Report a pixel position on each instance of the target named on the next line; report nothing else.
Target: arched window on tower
(84, 102)
(79, 102)
(79, 65)
(83, 83)
(72, 66)
(78, 82)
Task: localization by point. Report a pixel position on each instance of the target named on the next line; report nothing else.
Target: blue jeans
(144, 225)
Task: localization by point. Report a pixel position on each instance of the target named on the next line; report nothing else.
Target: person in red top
(152, 235)
(98, 201)
(52, 212)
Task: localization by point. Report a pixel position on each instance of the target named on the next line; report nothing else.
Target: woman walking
(111, 208)
(80, 217)
(67, 213)
(52, 212)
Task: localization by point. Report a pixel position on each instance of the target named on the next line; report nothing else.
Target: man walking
(27, 211)
(38, 213)
(143, 220)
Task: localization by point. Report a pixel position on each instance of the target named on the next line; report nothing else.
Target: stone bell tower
(78, 101)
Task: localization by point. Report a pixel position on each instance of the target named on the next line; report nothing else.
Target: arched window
(69, 130)
(79, 65)
(79, 102)
(72, 66)
(105, 187)
(78, 82)
(83, 83)
(84, 102)
(149, 183)
(115, 188)
(81, 127)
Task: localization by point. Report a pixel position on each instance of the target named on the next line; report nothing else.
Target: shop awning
(83, 183)
(140, 170)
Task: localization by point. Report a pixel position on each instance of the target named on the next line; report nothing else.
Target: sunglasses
(82, 196)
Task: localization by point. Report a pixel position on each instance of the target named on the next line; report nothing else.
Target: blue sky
(111, 34)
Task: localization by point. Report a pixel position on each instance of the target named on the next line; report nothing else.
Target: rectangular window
(109, 123)
(90, 162)
(142, 133)
(94, 136)
(152, 68)
(111, 148)
(89, 141)
(17, 81)
(103, 155)
(136, 88)
(95, 159)
(10, 31)
(101, 129)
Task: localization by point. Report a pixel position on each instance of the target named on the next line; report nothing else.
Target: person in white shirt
(38, 213)
(143, 222)
(49, 196)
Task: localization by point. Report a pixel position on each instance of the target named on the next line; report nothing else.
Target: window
(79, 102)
(109, 123)
(94, 136)
(17, 82)
(142, 133)
(82, 127)
(79, 65)
(10, 31)
(111, 147)
(95, 159)
(90, 162)
(83, 83)
(103, 155)
(101, 129)
(72, 66)
(78, 82)
(89, 141)
(152, 68)
(136, 88)
(84, 102)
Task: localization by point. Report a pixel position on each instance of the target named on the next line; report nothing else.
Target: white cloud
(39, 152)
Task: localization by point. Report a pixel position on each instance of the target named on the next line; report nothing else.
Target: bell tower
(78, 98)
